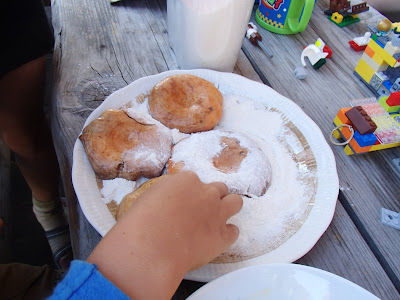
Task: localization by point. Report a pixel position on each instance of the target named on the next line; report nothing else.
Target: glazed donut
(230, 157)
(186, 102)
(118, 146)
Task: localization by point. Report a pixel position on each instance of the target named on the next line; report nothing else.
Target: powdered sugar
(254, 171)
(267, 221)
(116, 189)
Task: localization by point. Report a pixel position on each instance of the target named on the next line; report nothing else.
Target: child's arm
(179, 224)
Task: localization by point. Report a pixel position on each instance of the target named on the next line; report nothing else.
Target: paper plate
(283, 282)
(325, 187)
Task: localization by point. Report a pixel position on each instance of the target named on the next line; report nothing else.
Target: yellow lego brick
(378, 65)
(392, 50)
(381, 146)
(337, 121)
(364, 70)
(336, 134)
(382, 53)
(348, 150)
(378, 59)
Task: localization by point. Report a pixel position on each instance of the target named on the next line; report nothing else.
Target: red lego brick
(394, 99)
(360, 120)
(357, 47)
(328, 50)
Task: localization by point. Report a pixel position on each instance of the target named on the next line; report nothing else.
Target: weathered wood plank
(368, 181)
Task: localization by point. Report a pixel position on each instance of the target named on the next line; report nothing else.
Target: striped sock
(53, 220)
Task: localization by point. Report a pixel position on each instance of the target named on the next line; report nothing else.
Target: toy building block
(342, 13)
(300, 73)
(360, 120)
(315, 55)
(391, 103)
(394, 99)
(390, 218)
(379, 66)
(367, 126)
(360, 43)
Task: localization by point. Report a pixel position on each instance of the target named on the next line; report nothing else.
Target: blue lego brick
(396, 56)
(379, 42)
(365, 140)
(387, 84)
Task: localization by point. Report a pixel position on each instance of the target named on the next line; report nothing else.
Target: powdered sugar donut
(186, 102)
(230, 157)
(119, 146)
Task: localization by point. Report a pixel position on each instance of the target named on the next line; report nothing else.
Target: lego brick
(396, 41)
(337, 121)
(383, 91)
(386, 106)
(383, 40)
(348, 150)
(376, 81)
(378, 59)
(396, 86)
(384, 146)
(374, 64)
(393, 99)
(379, 43)
(392, 50)
(337, 135)
(342, 116)
(355, 147)
(387, 84)
(357, 47)
(360, 120)
(396, 163)
(365, 140)
(382, 53)
(390, 218)
(347, 20)
(364, 70)
(369, 51)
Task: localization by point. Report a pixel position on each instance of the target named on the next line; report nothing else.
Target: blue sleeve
(84, 281)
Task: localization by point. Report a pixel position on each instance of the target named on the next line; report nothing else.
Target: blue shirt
(84, 281)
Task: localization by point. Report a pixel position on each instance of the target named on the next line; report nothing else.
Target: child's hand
(176, 225)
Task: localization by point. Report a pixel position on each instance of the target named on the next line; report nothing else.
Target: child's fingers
(231, 205)
(230, 235)
(221, 187)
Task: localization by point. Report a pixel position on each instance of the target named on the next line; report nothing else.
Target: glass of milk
(207, 34)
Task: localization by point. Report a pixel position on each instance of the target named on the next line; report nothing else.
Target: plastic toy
(316, 54)
(379, 65)
(369, 125)
(390, 218)
(300, 73)
(255, 38)
(360, 43)
(342, 13)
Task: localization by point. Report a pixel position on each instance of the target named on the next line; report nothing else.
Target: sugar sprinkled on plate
(267, 221)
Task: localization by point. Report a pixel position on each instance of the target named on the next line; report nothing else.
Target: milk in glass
(207, 34)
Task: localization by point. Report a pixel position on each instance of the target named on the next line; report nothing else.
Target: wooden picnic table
(101, 47)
